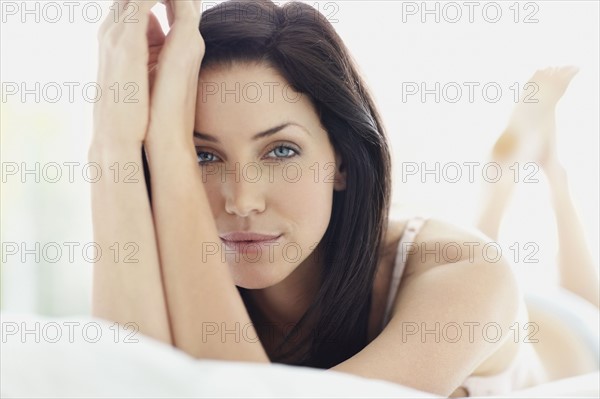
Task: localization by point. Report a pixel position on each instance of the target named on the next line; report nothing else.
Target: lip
(248, 236)
(249, 242)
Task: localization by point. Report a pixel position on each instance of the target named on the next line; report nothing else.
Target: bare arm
(129, 290)
(200, 292)
(435, 296)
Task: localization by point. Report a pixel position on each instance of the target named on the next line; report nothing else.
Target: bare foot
(530, 134)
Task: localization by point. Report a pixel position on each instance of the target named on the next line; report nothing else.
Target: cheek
(308, 201)
(215, 197)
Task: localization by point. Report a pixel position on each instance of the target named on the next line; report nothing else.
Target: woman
(273, 161)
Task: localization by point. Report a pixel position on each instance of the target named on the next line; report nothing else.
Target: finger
(186, 21)
(112, 17)
(135, 24)
(127, 16)
(123, 69)
(145, 5)
(170, 14)
(117, 8)
(130, 11)
(175, 85)
(155, 34)
(169, 8)
(156, 40)
(137, 11)
(186, 11)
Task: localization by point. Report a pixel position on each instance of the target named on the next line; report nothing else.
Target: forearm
(200, 292)
(127, 289)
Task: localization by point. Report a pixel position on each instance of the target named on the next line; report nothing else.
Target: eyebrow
(257, 136)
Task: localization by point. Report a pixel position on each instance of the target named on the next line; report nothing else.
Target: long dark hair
(304, 48)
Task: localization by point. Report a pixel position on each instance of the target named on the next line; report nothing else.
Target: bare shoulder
(394, 231)
(441, 243)
(462, 265)
(448, 284)
(437, 242)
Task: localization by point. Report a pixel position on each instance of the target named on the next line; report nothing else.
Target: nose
(243, 197)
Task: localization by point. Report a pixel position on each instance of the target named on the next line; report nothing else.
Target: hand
(177, 58)
(156, 40)
(121, 114)
(128, 49)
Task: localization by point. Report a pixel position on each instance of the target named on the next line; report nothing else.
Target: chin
(254, 277)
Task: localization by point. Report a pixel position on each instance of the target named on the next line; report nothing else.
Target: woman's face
(268, 167)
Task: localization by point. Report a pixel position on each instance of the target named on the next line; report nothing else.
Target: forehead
(249, 98)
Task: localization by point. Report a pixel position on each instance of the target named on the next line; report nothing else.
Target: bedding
(83, 357)
(88, 357)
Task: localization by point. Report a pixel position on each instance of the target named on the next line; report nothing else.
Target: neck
(280, 307)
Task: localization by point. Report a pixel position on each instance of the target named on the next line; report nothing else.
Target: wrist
(168, 146)
(106, 150)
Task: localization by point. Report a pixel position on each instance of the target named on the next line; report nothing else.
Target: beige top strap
(408, 236)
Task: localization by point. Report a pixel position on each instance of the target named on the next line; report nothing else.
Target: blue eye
(279, 152)
(202, 155)
(291, 152)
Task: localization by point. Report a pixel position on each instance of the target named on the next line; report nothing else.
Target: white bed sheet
(150, 369)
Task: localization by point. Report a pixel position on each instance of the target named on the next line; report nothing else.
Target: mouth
(247, 242)
(240, 236)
